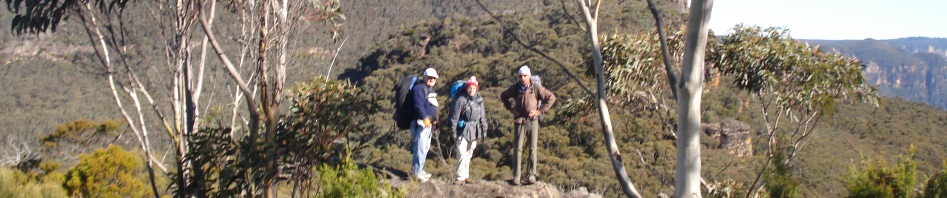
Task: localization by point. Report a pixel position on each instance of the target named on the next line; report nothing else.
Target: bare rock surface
(440, 188)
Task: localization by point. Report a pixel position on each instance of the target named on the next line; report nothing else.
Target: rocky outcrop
(731, 135)
(438, 188)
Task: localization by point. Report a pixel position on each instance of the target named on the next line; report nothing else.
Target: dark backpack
(402, 115)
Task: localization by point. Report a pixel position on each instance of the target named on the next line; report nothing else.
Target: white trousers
(464, 154)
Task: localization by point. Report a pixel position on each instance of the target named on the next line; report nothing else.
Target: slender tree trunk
(105, 58)
(665, 54)
(614, 152)
(687, 177)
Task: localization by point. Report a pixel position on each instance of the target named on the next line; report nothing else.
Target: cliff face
(915, 82)
(911, 68)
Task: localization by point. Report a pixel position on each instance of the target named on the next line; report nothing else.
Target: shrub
(937, 185)
(347, 180)
(106, 173)
(879, 180)
(779, 181)
(16, 184)
(728, 188)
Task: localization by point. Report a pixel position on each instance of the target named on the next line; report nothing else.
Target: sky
(836, 19)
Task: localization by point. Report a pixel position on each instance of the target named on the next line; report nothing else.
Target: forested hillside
(486, 48)
(909, 68)
(45, 89)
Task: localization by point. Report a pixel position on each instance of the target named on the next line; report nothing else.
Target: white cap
(524, 70)
(430, 72)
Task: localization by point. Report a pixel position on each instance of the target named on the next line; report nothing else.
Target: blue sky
(836, 19)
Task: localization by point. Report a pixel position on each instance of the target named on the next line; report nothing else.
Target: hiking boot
(460, 182)
(531, 180)
(423, 176)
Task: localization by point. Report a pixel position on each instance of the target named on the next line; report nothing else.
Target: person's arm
(420, 98)
(454, 115)
(505, 98)
(483, 119)
(548, 99)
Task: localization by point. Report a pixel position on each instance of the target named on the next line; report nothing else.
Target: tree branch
(530, 48)
(665, 54)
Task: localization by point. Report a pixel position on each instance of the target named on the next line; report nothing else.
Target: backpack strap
(538, 97)
(464, 108)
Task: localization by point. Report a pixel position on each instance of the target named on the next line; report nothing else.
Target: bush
(16, 184)
(879, 180)
(347, 180)
(937, 185)
(779, 181)
(724, 189)
(106, 173)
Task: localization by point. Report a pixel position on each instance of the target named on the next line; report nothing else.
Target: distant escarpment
(910, 68)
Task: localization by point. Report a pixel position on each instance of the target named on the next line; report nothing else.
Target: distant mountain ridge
(913, 68)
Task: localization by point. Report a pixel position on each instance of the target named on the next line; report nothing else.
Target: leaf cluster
(768, 60)
(108, 173)
(877, 179)
(322, 112)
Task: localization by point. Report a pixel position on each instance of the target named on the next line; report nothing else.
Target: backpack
(537, 82)
(402, 115)
(456, 89)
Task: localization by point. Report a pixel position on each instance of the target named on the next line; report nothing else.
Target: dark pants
(531, 127)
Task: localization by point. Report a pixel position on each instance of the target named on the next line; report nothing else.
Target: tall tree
(687, 176)
(590, 13)
(796, 84)
(183, 80)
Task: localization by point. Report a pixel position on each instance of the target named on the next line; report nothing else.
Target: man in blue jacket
(425, 110)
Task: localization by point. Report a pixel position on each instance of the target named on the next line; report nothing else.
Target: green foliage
(81, 133)
(801, 78)
(936, 186)
(876, 179)
(348, 180)
(330, 13)
(635, 68)
(724, 189)
(16, 184)
(461, 47)
(779, 180)
(78, 130)
(106, 173)
(220, 174)
(322, 112)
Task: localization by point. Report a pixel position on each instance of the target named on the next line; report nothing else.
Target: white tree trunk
(614, 153)
(687, 177)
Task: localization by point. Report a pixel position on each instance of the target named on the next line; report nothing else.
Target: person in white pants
(468, 125)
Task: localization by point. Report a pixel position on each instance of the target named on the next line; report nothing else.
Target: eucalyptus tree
(590, 14)
(800, 83)
(171, 94)
(687, 175)
(687, 182)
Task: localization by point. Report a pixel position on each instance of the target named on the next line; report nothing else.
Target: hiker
(527, 96)
(424, 103)
(468, 124)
